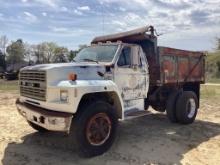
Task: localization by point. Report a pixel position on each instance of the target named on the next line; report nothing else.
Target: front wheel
(186, 107)
(96, 129)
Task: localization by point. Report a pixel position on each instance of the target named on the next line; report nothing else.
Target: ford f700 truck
(116, 78)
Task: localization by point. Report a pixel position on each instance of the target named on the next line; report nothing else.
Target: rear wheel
(171, 106)
(186, 107)
(96, 129)
(36, 127)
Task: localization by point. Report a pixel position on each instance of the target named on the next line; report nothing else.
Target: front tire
(96, 129)
(187, 107)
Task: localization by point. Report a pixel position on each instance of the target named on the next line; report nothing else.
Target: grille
(33, 84)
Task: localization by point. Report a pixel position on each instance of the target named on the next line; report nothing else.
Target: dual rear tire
(182, 107)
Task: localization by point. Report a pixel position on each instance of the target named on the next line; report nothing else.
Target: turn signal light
(72, 76)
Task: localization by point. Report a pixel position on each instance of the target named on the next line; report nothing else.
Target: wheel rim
(98, 129)
(191, 108)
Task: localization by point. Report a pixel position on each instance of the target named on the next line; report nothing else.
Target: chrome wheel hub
(191, 108)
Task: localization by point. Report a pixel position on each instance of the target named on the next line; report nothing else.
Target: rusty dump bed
(180, 66)
(166, 65)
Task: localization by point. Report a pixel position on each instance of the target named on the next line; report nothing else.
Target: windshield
(99, 53)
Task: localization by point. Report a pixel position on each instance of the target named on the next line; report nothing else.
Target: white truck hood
(58, 72)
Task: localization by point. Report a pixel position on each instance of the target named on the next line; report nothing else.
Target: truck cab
(127, 69)
(117, 77)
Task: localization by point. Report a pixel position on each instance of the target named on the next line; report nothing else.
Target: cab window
(125, 57)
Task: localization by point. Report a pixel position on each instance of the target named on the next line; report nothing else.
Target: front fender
(77, 89)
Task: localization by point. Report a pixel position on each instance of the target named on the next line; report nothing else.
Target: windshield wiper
(91, 60)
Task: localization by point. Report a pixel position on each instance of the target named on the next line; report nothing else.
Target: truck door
(131, 73)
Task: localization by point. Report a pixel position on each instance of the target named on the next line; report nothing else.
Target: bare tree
(44, 52)
(3, 43)
(16, 52)
(38, 53)
(60, 55)
(29, 52)
(49, 51)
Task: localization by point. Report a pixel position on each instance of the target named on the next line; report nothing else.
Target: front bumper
(50, 120)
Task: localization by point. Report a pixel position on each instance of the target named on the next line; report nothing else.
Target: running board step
(135, 113)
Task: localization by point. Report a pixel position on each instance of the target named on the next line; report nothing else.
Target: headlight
(64, 96)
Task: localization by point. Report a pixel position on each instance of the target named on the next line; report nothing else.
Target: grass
(8, 85)
(209, 91)
(214, 80)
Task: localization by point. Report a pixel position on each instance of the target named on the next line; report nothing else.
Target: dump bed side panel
(179, 66)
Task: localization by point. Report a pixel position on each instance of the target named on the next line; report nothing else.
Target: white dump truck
(116, 78)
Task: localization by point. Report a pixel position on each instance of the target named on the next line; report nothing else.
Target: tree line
(18, 53)
(22, 53)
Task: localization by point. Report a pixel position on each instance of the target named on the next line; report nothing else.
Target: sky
(183, 24)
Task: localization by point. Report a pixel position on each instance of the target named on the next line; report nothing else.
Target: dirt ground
(147, 140)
